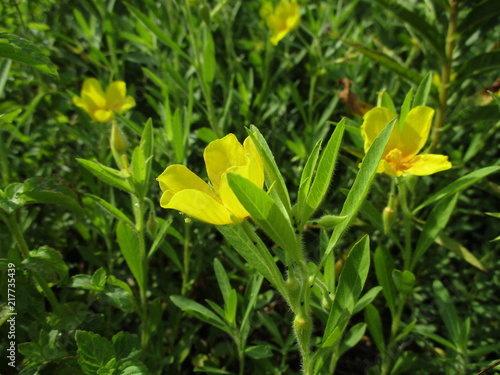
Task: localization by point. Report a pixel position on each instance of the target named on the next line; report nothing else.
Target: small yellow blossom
(282, 19)
(216, 204)
(99, 104)
(400, 155)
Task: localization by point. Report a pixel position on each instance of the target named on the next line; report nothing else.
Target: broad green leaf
(259, 351)
(52, 190)
(128, 239)
(360, 187)
(127, 345)
(254, 253)
(374, 322)
(460, 251)
(447, 311)
(108, 207)
(94, 351)
(157, 30)
(199, 311)
(131, 367)
(266, 213)
(352, 337)
(404, 281)
(384, 266)
(222, 279)
(275, 178)
(437, 220)
(477, 65)
(48, 263)
(423, 91)
(458, 185)
(119, 294)
(350, 285)
(23, 51)
(106, 174)
(84, 282)
(418, 23)
(367, 298)
(324, 172)
(209, 63)
(11, 199)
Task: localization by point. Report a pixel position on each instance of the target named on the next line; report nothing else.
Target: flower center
(395, 159)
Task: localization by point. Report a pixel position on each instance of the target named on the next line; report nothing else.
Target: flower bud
(388, 217)
(118, 141)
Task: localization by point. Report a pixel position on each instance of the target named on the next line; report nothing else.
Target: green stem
(445, 75)
(186, 259)
(17, 233)
(138, 209)
(407, 216)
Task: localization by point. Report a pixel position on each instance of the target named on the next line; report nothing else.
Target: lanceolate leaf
(128, 240)
(360, 187)
(419, 24)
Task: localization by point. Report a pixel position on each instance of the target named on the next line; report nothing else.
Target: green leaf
(47, 262)
(230, 307)
(52, 190)
(11, 199)
(153, 27)
(209, 63)
(160, 236)
(405, 108)
(118, 293)
(430, 33)
(458, 185)
(477, 65)
(384, 266)
(423, 91)
(275, 178)
(360, 187)
(385, 100)
(259, 351)
(374, 322)
(131, 367)
(460, 251)
(324, 173)
(404, 281)
(481, 13)
(437, 220)
(10, 116)
(21, 50)
(84, 282)
(128, 240)
(139, 171)
(367, 298)
(351, 282)
(126, 345)
(106, 174)
(211, 370)
(447, 311)
(352, 337)
(306, 179)
(94, 351)
(222, 280)
(266, 213)
(199, 311)
(409, 74)
(261, 260)
(109, 208)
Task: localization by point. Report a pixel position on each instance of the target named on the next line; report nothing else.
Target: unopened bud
(328, 221)
(118, 141)
(388, 217)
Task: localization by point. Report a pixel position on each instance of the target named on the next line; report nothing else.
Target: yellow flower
(99, 104)
(400, 155)
(282, 19)
(186, 192)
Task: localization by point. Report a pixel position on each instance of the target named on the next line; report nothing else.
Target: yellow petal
(178, 177)
(116, 91)
(374, 121)
(265, 10)
(423, 165)
(92, 88)
(222, 154)
(250, 148)
(102, 115)
(79, 102)
(201, 206)
(251, 172)
(415, 130)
